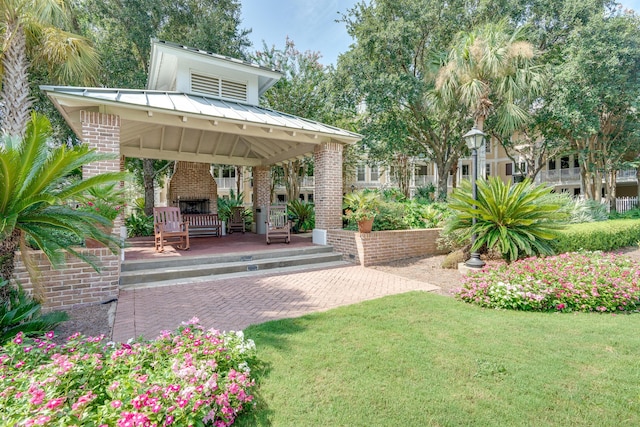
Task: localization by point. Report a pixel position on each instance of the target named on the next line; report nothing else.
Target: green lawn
(421, 359)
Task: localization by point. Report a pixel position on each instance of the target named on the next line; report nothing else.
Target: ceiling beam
(152, 153)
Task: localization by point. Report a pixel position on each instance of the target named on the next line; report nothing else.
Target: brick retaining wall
(379, 247)
(75, 283)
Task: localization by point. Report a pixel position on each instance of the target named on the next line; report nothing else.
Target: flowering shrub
(185, 378)
(587, 281)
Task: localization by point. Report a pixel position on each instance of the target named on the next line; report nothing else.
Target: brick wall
(76, 283)
(379, 247)
(193, 181)
(328, 185)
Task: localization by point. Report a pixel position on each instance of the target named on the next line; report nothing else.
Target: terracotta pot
(365, 225)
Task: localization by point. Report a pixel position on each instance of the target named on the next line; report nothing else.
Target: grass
(420, 359)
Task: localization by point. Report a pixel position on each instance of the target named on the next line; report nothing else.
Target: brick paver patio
(234, 304)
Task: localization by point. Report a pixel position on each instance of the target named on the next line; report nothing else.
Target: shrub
(515, 220)
(303, 215)
(630, 214)
(598, 236)
(139, 224)
(582, 210)
(588, 281)
(21, 314)
(189, 377)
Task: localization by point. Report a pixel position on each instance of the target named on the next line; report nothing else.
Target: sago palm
(34, 30)
(516, 220)
(37, 197)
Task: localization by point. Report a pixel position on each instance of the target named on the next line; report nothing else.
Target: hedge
(598, 236)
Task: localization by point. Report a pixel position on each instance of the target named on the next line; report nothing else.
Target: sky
(310, 24)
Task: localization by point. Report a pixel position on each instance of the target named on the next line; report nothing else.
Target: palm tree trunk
(8, 248)
(16, 102)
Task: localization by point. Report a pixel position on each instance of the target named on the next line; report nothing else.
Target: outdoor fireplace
(193, 189)
(195, 206)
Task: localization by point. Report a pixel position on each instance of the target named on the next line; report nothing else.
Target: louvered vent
(234, 90)
(205, 85)
(208, 85)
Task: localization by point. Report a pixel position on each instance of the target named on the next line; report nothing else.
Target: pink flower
(54, 403)
(116, 404)
(18, 339)
(560, 306)
(49, 335)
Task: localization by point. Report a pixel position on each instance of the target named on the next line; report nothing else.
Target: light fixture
(474, 139)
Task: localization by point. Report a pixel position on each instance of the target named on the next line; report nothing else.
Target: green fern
(515, 220)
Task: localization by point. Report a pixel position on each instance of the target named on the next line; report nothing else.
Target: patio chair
(278, 224)
(168, 224)
(236, 219)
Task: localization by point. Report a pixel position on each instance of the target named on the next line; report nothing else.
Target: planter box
(379, 247)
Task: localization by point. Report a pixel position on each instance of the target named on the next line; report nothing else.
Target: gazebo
(201, 108)
(198, 108)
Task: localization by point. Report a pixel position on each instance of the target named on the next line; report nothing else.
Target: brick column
(328, 189)
(261, 193)
(102, 133)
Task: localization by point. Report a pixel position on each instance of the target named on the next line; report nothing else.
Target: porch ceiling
(177, 126)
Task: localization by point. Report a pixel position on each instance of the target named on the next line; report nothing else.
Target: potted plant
(361, 206)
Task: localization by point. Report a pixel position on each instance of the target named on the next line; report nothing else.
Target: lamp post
(474, 139)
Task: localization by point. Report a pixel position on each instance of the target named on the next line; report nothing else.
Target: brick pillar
(102, 132)
(328, 188)
(261, 194)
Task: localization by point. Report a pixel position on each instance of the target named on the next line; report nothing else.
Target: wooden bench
(203, 225)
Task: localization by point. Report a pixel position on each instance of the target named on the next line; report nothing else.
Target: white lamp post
(474, 139)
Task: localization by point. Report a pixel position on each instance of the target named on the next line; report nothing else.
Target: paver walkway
(234, 304)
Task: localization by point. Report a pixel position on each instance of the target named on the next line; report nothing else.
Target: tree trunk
(238, 180)
(149, 190)
(16, 102)
(443, 174)
(8, 248)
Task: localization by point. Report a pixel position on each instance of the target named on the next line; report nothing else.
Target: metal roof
(179, 126)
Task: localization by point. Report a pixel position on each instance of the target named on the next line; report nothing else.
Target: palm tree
(37, 198)
(491, 71)
(33, 30)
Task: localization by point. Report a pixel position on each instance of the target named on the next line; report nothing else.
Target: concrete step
(218, 277)
(210, 268)
(182, 261)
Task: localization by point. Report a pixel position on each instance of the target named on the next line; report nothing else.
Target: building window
(310, 198)
(301, 197)
(281, 198)
(508, 169)
(228, 172)
(421, 170)
(487, 147)
(552, 164)
(564, 162)
(465, 170)
(521, 168)
(375, 174)
(576, 162)
(488, 169)
(360, 173)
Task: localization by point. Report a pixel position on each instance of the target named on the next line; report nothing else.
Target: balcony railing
(226, 183)
(561, 176)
